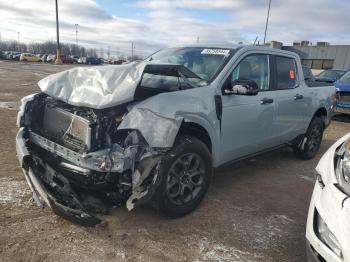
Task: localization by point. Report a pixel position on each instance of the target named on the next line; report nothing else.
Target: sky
(154, 24)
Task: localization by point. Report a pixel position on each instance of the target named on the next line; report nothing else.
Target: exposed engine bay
(86, 159)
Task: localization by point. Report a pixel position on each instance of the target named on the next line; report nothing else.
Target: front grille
(66, 129)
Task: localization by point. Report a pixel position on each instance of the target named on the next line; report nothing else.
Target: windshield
(345, 78)
(204, 62)
(332, 74)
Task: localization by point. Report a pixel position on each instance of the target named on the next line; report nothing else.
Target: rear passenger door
(290, 104)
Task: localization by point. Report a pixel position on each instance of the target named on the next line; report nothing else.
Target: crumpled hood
(95, 87)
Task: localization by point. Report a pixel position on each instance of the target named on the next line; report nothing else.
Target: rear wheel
(308, 147)
(185, 172)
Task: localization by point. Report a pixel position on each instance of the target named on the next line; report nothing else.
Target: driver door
(247, 120)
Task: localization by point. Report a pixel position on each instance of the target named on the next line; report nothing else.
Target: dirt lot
(255, 210)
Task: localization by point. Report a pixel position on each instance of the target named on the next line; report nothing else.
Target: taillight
(335, 96)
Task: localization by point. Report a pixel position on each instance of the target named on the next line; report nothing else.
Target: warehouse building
(322, 55)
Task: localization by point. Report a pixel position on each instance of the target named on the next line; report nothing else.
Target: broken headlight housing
(343, 167)
(326, 236)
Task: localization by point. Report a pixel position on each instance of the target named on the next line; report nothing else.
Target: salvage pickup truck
(152, 131)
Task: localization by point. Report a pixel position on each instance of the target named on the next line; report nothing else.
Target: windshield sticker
(224, 52)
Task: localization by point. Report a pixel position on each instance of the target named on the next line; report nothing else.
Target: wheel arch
(322, 113)
(197, 131)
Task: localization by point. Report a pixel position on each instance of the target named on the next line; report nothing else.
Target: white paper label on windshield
(224, 52)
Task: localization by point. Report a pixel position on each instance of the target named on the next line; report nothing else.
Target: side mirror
(242, 87)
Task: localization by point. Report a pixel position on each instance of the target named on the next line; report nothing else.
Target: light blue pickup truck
(153, 131)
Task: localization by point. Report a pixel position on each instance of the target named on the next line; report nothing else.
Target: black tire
(193, 182)
(309, 145)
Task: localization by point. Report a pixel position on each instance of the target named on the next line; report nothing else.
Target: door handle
(266, 101)
(298, 97)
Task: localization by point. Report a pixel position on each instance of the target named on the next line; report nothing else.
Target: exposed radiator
(67, 129)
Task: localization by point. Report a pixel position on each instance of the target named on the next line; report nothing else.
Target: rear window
(286, 72)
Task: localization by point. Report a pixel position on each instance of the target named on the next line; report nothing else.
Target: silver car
(153, 131)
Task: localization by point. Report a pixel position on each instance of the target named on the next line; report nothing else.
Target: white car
(50, 58)
(328, 223)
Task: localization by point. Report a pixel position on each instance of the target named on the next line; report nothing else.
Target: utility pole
(76, 33)
(58, 60)
(132, 51)
(267, 20)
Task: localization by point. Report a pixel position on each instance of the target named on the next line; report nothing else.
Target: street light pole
(267, 20)
(58, 60)
(76, 33)
(132, 51)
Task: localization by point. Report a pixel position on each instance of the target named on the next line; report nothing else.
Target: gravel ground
(255, 210)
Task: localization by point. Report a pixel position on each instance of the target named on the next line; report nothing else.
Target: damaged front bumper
(53, 189)
(42, 195)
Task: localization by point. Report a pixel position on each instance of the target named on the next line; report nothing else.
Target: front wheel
(311, 142)
(185, 172)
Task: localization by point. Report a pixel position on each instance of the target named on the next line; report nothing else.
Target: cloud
(176, 22)
(35, 20)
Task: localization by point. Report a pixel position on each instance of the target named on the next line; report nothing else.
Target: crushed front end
(78, 162)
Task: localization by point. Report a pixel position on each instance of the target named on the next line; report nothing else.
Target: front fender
(159, 118)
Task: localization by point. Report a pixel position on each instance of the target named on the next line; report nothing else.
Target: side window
(255, 68)
(285, 72)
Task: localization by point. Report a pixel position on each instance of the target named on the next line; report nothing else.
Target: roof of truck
(236, 47)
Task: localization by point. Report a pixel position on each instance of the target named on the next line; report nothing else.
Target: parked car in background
(116, 62)
(11, 54)
(2, 55)
(330, 76)
(127, 136)
(82, 60)
(328, 223)
(50, 58)
(65, 59)
(16, 57)
(44, 58)
(93, 61)
(28, 57)
(75, 58)
(6, 53)
(343, 94)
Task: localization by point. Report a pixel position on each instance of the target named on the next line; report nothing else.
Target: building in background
(322, 55)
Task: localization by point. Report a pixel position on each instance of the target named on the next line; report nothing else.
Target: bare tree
(48, 47)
